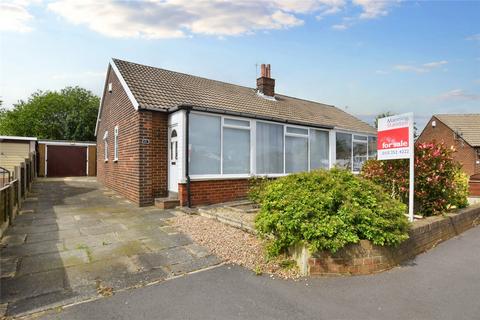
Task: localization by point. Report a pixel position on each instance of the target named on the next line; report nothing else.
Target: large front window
(228, 146)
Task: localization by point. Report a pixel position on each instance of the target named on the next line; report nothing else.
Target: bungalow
(184, 139)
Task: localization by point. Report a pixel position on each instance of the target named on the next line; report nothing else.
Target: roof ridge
(186, 74)
(223, 82)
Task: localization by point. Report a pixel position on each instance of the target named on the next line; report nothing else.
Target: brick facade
(466, 154)
(140, 174)
(213, 191)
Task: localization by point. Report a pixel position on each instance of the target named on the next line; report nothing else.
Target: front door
(173, 161)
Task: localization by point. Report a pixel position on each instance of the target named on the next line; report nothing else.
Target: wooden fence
(14, 191)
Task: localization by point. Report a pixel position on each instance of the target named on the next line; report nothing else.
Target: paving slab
(29, 249)
(31, 285)
(51, 261)
(8, 267)
(76, 233)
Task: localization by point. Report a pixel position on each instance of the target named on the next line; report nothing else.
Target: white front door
(173, 160)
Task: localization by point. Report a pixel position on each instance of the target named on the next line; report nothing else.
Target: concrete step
(166, 203)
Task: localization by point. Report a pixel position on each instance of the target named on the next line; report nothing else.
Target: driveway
(443, 283)
(75, 240)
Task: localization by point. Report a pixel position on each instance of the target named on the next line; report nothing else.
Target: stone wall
(366, 258)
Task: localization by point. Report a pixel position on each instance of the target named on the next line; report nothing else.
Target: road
(443, 283)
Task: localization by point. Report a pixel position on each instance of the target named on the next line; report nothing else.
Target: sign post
(395, 141)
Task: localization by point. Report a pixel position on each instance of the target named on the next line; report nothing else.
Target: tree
(66, 115)
(382, 115)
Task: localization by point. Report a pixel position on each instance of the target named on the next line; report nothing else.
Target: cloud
(381, 72)
(458, 94)
(374, 8)
(179, 18)
(14, 16)
(474, 37)
(424, 68)
(371, 9)
(155, 19)
(340, 26)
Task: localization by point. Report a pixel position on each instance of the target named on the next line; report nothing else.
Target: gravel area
(233, 245)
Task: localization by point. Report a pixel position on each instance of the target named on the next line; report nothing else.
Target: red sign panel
(393, 138)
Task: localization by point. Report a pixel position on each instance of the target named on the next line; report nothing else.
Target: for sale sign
(395, 137)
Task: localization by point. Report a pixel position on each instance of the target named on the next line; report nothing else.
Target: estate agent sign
(395, 141)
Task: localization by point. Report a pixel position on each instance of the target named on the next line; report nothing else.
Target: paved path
(443, 283)
(76, 238)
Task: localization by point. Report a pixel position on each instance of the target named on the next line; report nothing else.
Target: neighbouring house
(60, 158)
(462, 131)
(169, 135)
(13, 151)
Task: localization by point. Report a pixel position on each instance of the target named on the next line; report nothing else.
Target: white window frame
(253, 145)
(296, 135)
(105, 146)
(329, 147)
(223, 125)
(353, 134)
(115, 144)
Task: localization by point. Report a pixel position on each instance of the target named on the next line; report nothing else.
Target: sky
(364, 56)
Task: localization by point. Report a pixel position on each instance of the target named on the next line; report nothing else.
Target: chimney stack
(265, 84)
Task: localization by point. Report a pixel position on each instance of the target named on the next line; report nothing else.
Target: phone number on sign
(395, 152)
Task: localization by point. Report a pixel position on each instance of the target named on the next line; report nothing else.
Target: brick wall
(465, 154)
(153, 156)
(140, 174)
(123, 175)
(213, 191)
(366, 258)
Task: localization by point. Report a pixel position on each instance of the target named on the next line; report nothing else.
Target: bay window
(269, 148)
(238, 147)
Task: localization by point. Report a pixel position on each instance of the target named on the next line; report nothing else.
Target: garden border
(365, 258)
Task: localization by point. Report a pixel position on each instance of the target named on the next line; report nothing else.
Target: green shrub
(439, 181)
(328, 210)
(257, 188)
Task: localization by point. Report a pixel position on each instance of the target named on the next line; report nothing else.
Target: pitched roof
(160, 89)
(468, 125)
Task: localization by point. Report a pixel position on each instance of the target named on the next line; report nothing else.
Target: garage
(66, 158)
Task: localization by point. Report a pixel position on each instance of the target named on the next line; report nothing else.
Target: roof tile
(161, 89)
(467, 125)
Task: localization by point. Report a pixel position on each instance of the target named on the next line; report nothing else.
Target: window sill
(115, 160)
